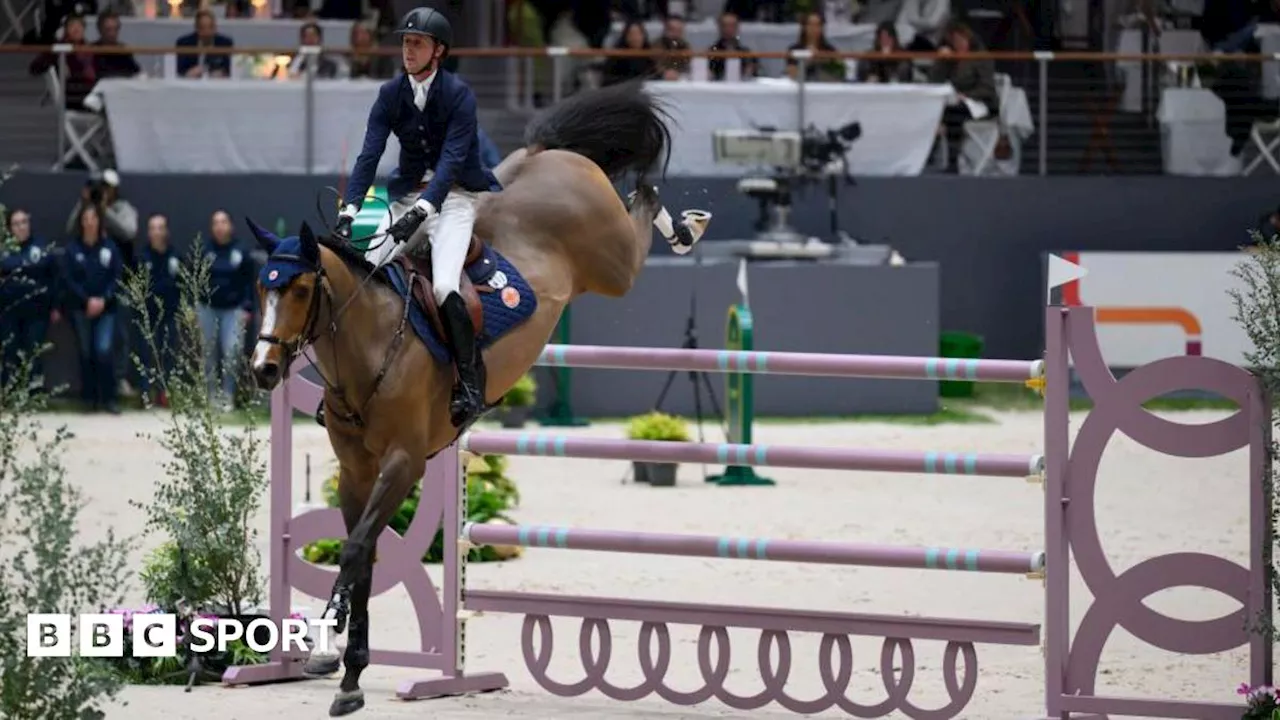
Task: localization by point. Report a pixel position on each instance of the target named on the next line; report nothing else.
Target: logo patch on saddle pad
(510, 297)
(498, 281)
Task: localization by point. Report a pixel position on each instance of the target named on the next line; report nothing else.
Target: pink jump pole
(743, 548)
(947, 463)
(791, 363)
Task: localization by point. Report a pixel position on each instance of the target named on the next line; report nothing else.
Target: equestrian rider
(433, 114)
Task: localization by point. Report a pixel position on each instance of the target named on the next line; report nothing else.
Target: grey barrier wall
(987, 234)
(795, 308)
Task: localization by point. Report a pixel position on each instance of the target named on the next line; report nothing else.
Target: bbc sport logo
(156, 634)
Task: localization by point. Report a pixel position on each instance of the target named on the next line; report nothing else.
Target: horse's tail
(619, 127)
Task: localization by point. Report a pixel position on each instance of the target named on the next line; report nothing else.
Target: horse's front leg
(355, 579)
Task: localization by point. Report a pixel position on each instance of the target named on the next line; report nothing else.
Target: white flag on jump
(742, 282)
(1062, 272)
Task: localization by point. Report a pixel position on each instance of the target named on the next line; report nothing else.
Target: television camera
(797, 158)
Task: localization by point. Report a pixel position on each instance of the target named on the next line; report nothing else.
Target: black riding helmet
(429, 22)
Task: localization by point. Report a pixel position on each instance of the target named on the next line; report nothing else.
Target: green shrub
(658, 426)
(523, 394)
(490, 494)
(44, 567)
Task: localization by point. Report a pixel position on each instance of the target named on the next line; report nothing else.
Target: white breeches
(450, 234)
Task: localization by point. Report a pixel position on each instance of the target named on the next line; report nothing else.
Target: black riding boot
(468, 394)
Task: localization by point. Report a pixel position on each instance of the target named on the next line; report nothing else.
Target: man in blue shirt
(27, 287)
(435, 185)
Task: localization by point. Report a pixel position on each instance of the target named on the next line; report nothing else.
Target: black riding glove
(409, 222)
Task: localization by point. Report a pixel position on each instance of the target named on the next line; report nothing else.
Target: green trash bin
(958, 345)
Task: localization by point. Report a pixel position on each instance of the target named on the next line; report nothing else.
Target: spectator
(729, 42)
(813, 37)
(91, 272)
(163, 266)
(362, 61)
(81, 72)
(973, 80)
(1269, 225)
(113, 65)
(622, 69)
(230, 305)
(327, 65)
(119, 216)
(205, 36)
(28, 284)
(886, 71)
(673, 68)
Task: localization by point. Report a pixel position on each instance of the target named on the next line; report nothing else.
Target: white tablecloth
(899, 122)
(1193, 133)
(767, 37)
(238, 126)
(244, 32)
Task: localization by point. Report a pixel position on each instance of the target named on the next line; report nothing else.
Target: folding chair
(984, 134)
(1265, 136)
(85, 131)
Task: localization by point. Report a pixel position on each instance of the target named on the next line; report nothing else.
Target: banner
(1152, 305)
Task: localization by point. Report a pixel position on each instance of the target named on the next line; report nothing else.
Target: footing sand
(1147, 505)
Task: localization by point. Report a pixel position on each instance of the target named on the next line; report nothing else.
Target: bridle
(298, 347)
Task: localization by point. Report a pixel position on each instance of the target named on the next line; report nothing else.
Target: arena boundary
(1069, 482)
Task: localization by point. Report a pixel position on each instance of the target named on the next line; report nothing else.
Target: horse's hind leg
(355, 580)
(646, 209)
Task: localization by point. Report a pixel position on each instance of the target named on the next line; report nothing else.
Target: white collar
(414, 83)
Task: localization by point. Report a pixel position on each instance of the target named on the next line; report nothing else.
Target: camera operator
(120, 224)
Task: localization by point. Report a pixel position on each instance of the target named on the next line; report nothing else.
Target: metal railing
(529, 77)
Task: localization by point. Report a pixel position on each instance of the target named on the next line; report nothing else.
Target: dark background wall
(986, 234)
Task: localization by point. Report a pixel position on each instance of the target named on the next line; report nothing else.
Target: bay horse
(559, 228)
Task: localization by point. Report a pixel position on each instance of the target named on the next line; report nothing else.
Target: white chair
(85, 131)
(1265, 137)
(978, 150)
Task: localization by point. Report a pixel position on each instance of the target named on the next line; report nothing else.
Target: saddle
(418, 272)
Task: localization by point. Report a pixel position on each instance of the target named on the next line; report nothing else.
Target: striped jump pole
(742, 548)
(792, 363)
(946, 463)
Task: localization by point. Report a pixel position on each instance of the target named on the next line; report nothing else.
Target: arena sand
(1147, 504)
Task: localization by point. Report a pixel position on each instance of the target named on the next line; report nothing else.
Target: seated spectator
(813, 37)
(675, 67)
(886, 71)
(164, 268)
(113, 64)
(973, 80)
(362, 62)
(622, 69)
(81, 71)
(230, 305)
(91, 271)
(728, 42)
(28, 285)
(206, 35)
(327, 65)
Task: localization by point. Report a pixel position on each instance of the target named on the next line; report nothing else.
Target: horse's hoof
(321, 665)
(345, 703)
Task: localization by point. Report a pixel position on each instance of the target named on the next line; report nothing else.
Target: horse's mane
(353, 258)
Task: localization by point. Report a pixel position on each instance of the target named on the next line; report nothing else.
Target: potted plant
(517, 404)
(662, 427)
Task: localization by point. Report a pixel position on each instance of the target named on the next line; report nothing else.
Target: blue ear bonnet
(284, 264)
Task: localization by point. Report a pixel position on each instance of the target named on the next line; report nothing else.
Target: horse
(558, 228)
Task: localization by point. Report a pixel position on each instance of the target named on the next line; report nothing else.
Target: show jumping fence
(1069, 473)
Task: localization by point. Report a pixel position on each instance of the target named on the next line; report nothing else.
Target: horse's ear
(266, 238)
(310, 246)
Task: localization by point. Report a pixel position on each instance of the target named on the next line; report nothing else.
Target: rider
(433, 114)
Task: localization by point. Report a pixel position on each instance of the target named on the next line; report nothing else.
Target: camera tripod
(697, 378)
